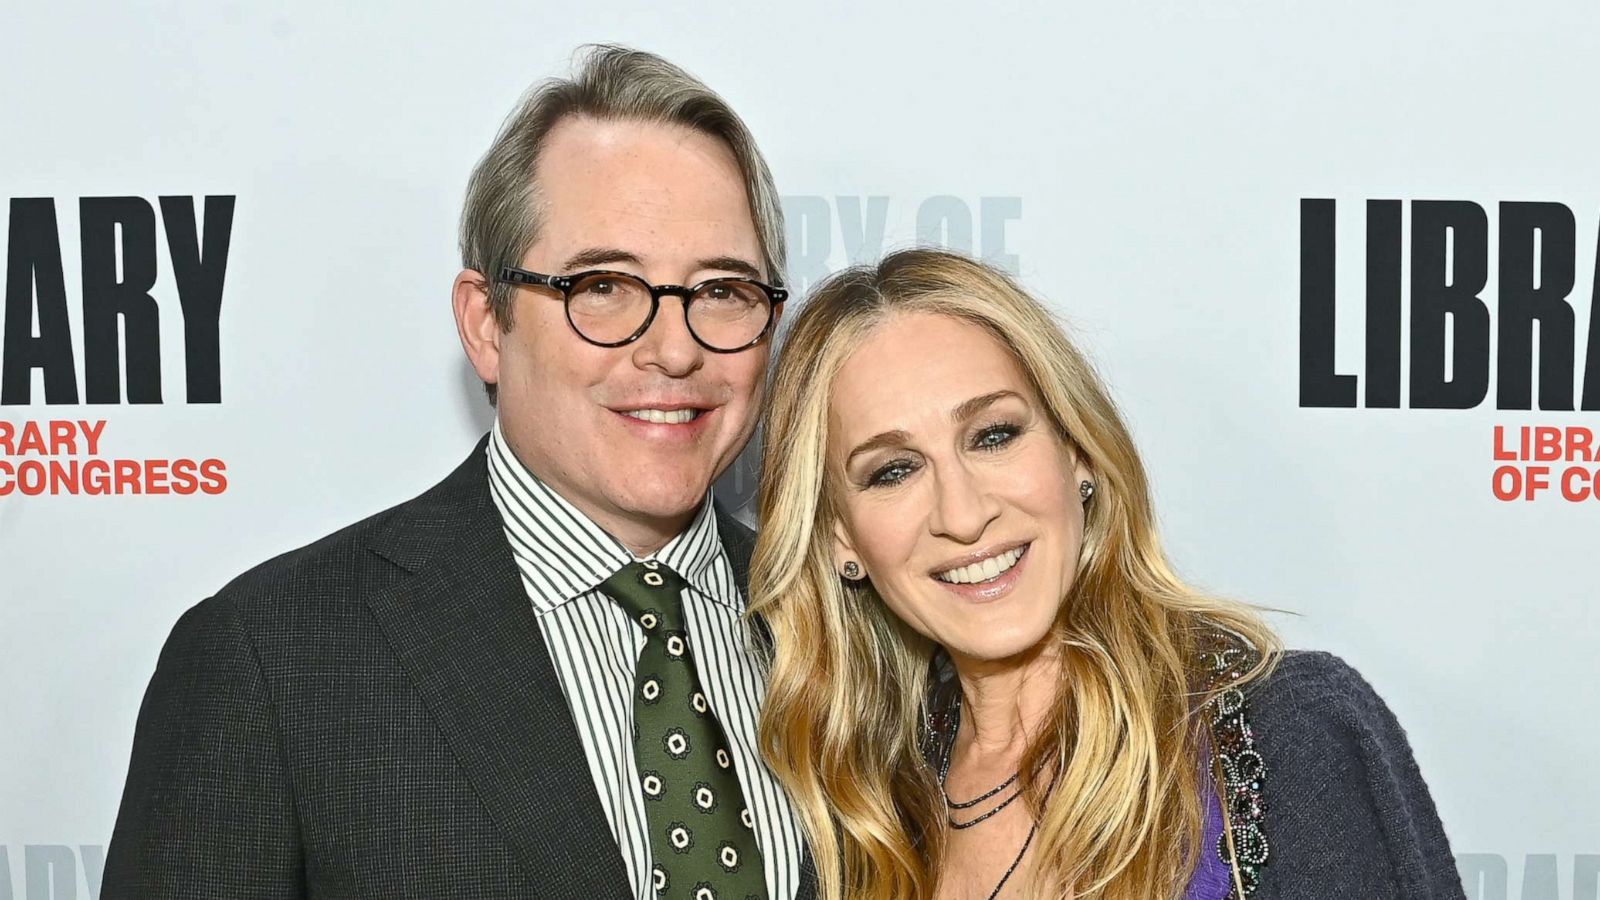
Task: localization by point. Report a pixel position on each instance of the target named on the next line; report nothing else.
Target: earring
(1086, 490)
(851, 570)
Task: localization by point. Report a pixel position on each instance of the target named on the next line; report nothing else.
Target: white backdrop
(1140, 166)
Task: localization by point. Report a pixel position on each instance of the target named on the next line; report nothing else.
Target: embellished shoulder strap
(1239, 769)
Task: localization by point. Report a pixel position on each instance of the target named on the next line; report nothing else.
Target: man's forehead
(630, 191)
(608, 159)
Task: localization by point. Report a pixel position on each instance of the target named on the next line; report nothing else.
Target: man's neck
(642, 537)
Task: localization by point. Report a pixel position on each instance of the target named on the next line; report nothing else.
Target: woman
(987, 680)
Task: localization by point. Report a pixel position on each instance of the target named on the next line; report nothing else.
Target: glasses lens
(607, 308)
(729, 314)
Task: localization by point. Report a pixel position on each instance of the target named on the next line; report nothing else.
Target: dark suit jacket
(373, 715)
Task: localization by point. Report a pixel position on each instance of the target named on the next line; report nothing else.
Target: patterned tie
(701, 834)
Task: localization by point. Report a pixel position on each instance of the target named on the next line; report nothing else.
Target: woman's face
(957, 496)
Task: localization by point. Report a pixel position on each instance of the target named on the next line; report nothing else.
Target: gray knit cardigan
(1349, 816)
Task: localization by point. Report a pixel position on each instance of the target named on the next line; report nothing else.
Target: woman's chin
(999, 650)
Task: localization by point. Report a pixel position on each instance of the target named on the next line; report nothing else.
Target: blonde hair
(846, 705)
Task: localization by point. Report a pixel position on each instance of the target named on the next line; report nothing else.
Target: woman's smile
(986, 579)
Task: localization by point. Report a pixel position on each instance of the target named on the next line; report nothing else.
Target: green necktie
(701, 833)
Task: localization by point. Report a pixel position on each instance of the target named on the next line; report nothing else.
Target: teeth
(988, 570)
(662, 416)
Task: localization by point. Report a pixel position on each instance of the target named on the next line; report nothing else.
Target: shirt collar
(563, 554)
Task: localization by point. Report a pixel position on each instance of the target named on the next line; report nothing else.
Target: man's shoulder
(335, 556)
(344, 566)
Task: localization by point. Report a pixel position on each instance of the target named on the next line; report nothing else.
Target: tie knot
(650, 592)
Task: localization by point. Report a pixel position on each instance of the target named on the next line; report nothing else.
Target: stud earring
(1086, 490)
(851, 570)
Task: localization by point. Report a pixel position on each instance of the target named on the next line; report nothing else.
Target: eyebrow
(969, 408)
(604, 256)
(599, 256)
(964, 410)
(877, 441)
(729, 264)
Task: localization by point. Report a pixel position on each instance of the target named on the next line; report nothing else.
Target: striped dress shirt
(594, 645)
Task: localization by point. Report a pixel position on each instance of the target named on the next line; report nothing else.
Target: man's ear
(476, 324)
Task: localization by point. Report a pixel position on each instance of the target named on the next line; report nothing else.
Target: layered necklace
(952, 805)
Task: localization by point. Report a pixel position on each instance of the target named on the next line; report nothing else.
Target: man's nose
(667, 345)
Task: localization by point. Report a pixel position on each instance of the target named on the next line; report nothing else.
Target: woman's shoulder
(1313, 712)
(1311, 697)
(1315, 681)
(1343, 785)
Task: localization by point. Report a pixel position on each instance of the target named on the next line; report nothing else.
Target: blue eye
(890, 473)
(996, 436)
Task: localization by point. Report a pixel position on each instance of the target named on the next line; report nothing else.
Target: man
(532, 680)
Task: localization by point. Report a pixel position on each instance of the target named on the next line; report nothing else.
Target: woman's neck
(1004, 702)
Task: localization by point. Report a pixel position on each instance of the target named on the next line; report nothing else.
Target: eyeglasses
(610, 309)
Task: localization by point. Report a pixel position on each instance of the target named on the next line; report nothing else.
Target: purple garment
(1212, 877)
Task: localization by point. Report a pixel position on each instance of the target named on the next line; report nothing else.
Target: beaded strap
(1239, 766)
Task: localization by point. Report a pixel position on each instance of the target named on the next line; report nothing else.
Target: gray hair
(501, 218)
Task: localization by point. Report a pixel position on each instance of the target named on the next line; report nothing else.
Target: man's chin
(666, 500)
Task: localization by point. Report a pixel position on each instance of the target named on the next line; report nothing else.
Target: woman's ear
(1081, 473)
(1078, 461)
(844, 547)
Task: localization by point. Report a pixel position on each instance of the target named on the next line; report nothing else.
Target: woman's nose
(963, 506)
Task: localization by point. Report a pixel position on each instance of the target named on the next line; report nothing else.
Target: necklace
(1015, 862)
(944, 772)
(971, 822)
(979, 799)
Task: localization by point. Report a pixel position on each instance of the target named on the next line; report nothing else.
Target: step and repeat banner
(1337, 262)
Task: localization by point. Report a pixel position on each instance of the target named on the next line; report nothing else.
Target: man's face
(668, 204)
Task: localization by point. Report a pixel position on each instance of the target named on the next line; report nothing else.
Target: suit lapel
(808, 877)
(737, 541)
(463, 628)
